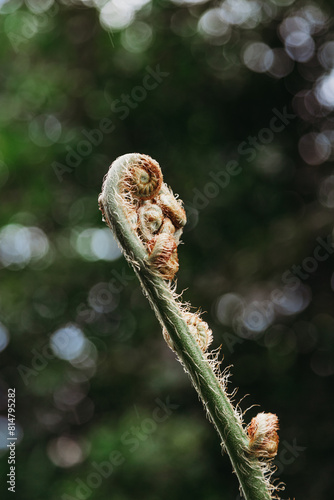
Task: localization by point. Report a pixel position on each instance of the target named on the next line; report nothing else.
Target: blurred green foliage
(193, 84)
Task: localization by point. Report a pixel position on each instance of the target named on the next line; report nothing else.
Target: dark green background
(60, 73)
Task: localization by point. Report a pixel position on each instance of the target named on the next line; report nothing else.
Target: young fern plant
(147, 220)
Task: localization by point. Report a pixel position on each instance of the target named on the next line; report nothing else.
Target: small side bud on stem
(262, 434)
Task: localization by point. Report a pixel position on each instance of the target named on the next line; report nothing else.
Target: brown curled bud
(172, 207)
(150, 218)
(262, 434)
(162, 251)
(145, 178)
(167, 227)
(199, 330)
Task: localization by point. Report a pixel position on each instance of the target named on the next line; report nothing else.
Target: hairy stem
(120, 202)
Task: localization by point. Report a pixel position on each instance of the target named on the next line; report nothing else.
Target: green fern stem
(116, 205)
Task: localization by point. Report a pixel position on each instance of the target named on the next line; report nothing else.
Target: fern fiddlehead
(147, 220)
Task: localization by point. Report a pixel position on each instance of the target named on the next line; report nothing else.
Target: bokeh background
(199, 86)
